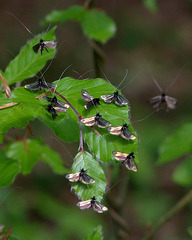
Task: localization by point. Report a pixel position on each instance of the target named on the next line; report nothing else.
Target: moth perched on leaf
(116, 98)
(92, 204)
(128, 160)
(91, 101)
(80, 177)
(122, 131)
(40, 85)
(53, 110)
(57, 103)
(96, 121)
(163, 98)
(44, 45)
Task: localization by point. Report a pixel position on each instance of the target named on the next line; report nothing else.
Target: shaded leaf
(182, 174)
(27, 63)
(96, 234)
(151, 5)
(28, 152)
(95, 23)
(176, 145)
(9, 169)
(189, 230)
(94, 170)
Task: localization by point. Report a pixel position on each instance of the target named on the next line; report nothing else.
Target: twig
(178, 207)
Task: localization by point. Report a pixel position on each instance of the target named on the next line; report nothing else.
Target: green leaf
(151, 5)
(182, 174)
(96, 234)
(74, 13)
(176, 145)
(98, 26)
(103, 146)
(95, 23)
(189, 230)
(28, 152)
(9, 169)
(28, 63)
(94, 170)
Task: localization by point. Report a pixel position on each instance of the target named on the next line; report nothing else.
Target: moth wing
(108, 98)
(33, 86)
(73, 177)
(86, 179)
(86, 96)
(120, 101)
(99, 207)
(130, 164)
(62, 104)
(60, 109)
(36, 48)
(119, 156)
(84, 204)
(115, 130)
(128, 135)
(102, 123)
(90, 121)
(50, 44)
(88, 105)
(48, 99)
(156, 101)
(171, 102)
(46, 85)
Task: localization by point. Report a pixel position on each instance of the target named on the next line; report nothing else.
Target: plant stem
(178, 207)
(79, 119)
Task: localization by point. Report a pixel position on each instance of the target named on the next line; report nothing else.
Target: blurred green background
(40, 205)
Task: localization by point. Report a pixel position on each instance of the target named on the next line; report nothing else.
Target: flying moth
(92, 204)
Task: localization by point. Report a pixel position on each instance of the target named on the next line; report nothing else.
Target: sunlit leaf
(95, 23)
(182, 174)
(176, 145)
(94, 170)
(9, 169)
(27, 63)
(96, 234)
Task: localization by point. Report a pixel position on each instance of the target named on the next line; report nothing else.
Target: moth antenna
(47, 30)
(155, 81)
(81, 76)
(21, 23)
(140, 120)
(48, 66)
(126, 73)
(178, 74)
(136, 75)
(61, 76)
(105, 75)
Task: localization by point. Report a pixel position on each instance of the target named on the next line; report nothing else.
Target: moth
(128, 160)
(116, 98)
(163, 98)
(91, 101)
(122, 131)
(40, 84)
(44, 45)
(56, 103)
(92, 204)
(96, 120)
(80, 177)
(53, 110)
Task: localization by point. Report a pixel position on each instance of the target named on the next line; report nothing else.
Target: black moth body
(92, 204)
(116, 98)
(163, 98)
(91, 101)
(80, 177)
(53, 110)
(96, 121)
(122, 131)
(40, 85)
(57, 103)
(44, 45)
(128, 160)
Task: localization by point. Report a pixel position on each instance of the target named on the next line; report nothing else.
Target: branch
(177, 208)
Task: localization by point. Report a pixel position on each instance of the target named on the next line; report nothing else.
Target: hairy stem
(177, 208)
